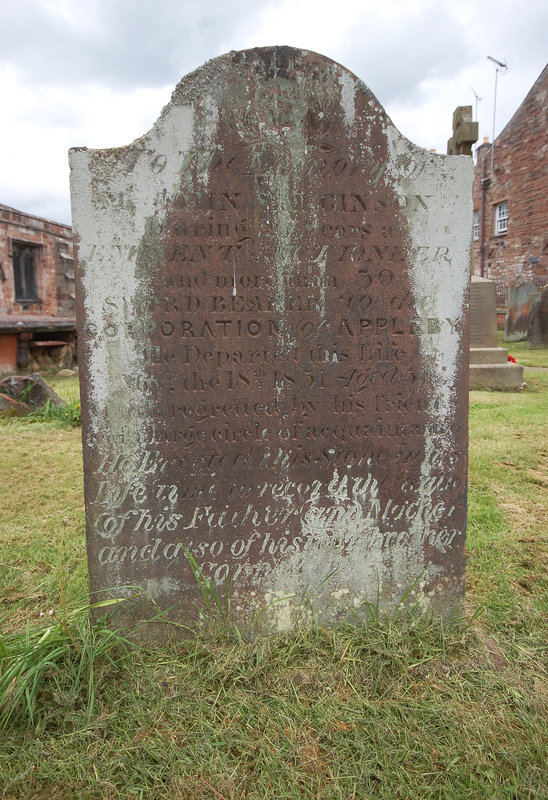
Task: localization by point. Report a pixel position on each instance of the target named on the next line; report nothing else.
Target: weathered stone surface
(537, 329)
(273, 342)
(496, 376)
(517, 312)
(12, 408)
(483, 313)
(488, 355)
(30, 389)
(489, 365)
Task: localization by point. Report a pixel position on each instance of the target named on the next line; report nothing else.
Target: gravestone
(517, 312)
(537, 328)
(483, 314)
(273, 335)
(489, 365)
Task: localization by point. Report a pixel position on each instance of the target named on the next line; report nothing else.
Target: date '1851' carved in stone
(272, 299)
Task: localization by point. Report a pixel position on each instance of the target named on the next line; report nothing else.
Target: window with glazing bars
(501, 218)
(25, 263)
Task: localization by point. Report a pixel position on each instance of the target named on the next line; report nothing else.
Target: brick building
(510, 226)
(37, 306)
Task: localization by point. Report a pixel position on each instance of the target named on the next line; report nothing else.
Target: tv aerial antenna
(500, 66)
(478, 100)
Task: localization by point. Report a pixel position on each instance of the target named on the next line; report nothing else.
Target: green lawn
(404, 708)
(525, 357)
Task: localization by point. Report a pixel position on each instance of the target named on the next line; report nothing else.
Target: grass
(387, 710)
(402, 708)
(69, 414)
(525, 357)
(508, 509)
(68, 389)
(41, 494)
(65, 649)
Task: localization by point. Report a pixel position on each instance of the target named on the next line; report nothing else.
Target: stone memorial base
(490, 369)
(489, 365)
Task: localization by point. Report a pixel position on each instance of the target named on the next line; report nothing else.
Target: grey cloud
(49, 205)
(123, 44)
(397, 56)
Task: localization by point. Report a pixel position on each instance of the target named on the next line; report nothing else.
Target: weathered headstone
(517, 312)
(273, 352)
(537, 328)
(489, 365)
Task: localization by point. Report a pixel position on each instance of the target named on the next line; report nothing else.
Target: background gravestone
(489, 365)
(517, 312)
(271, 292)
(483, 314)
(537, 327)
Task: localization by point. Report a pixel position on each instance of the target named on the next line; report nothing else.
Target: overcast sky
(98, 73)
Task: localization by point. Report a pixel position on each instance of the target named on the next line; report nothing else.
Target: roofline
(540, 78)
(34, 216)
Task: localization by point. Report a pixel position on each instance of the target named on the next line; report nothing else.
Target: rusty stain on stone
(272, 291)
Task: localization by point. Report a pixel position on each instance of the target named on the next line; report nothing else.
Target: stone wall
(48, 246)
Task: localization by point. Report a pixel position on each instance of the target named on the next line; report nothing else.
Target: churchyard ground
(394, 708)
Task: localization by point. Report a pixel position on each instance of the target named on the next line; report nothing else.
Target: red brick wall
(53, 238)
(520, 176)
(8, 352)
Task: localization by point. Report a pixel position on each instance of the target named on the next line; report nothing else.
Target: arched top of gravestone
(263, 103)
(278, 66)
(270, 95)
